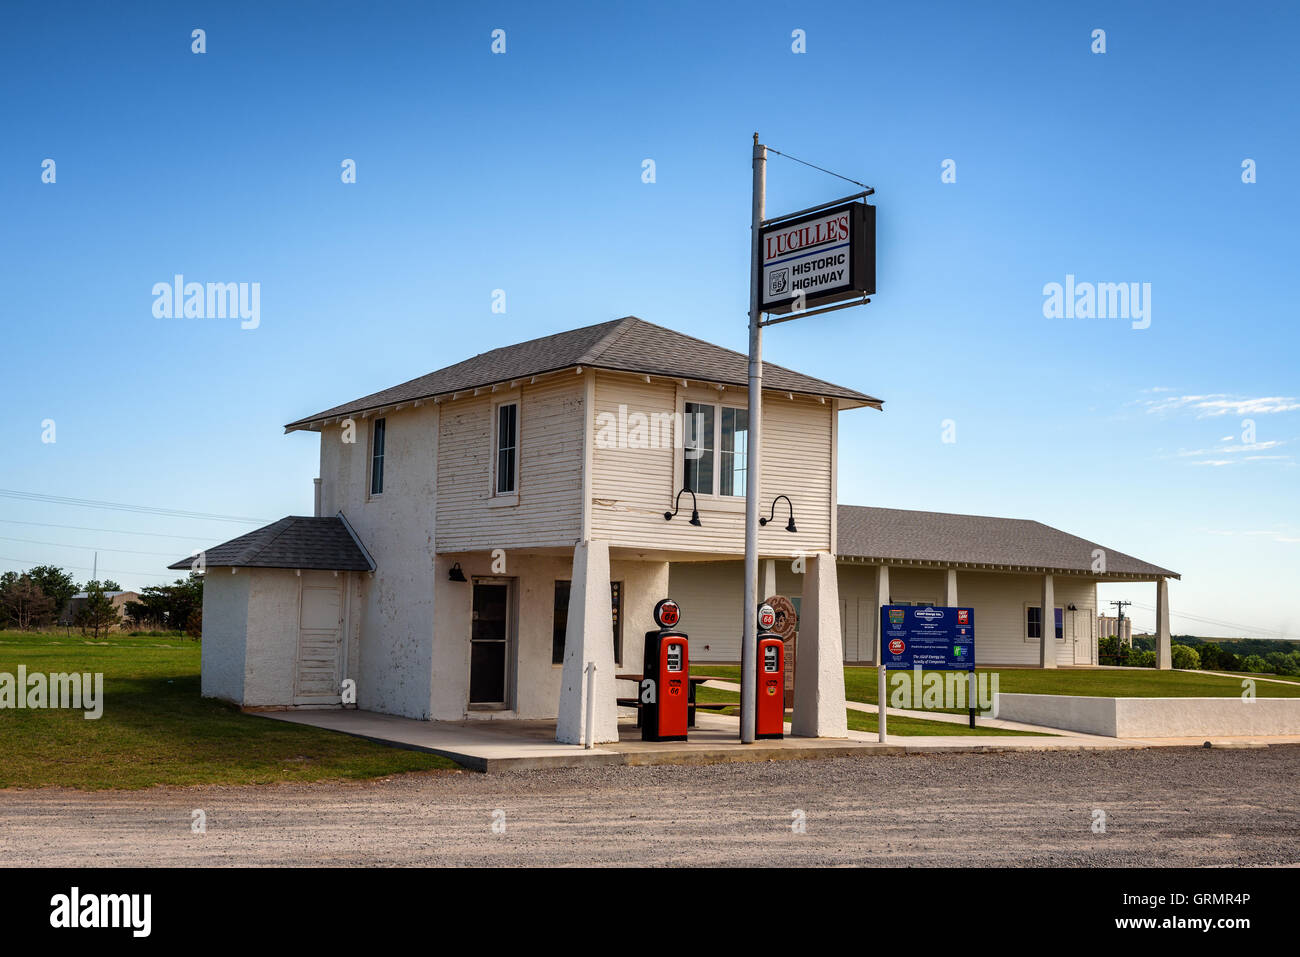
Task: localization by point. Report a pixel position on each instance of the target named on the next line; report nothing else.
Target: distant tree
(1255, 664)
(1184, 657)
(1283, 663)
(1214, 657)
(194, 624)
(23, 604)
(1143, 659)
(110, 585)
(56, 583)
(169, 605)
(97, 613)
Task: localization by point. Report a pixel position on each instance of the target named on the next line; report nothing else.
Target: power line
(1214, 621)
(819, 168)
(89, 548)
(84, 528)
(119, 506)
(25, 563)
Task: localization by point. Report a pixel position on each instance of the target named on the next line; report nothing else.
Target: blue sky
(522, 172)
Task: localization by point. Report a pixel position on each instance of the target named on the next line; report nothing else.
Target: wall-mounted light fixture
(695, 511)
(790, 526)
(456, 575)
(1072, 608)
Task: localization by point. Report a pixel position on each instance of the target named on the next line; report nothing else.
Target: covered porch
(545, 634)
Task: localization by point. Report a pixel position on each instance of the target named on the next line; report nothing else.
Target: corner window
(377, 456)
(715, 456)
(1034, 623)
(560, 620)
(507, 448)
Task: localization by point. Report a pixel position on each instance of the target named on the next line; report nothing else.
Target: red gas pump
(769, 717)
(666, 677)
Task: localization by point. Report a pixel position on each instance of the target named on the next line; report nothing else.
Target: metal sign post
(822, 257)
(749, 637)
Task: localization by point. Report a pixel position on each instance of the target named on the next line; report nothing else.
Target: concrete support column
(767, 579)
(819, 668)
(1047, 650)
(588, 638)
(950, 588)
(882, 599)
(1164, 660)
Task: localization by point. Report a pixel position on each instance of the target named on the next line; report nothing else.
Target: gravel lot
(1168, 806)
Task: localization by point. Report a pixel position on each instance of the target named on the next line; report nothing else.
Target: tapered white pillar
(1047, 649)
(767, 586)
(882, 599)
(950, 588)
(819, 710)
(587, 639)
(1164, 660)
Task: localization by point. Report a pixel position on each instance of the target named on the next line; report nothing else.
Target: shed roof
(625, 345)
(942, 537)
(297, 541)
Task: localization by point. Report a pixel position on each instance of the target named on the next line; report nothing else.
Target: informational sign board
(824, 257)
(936, 639)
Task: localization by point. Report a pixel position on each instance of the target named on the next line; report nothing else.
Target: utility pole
(749, 637)
(1119, 625)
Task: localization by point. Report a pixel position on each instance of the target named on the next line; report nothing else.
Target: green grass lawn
(860, 683)
(861, 721)
(156, 729)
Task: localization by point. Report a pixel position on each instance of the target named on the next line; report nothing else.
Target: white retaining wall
(1154, 717)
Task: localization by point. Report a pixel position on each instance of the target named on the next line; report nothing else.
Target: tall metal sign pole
(749, 641)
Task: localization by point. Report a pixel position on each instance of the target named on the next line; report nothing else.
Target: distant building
(118, 598)
(1106, 626)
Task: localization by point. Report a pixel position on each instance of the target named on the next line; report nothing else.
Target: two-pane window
(507, 448)
(1034, 623)
(377, 456)
(715, 449)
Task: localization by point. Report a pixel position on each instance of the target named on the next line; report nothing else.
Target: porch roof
(942, 538)
(297, 541)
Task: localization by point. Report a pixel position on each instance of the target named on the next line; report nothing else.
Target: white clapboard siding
(549, 512)
(632, 487)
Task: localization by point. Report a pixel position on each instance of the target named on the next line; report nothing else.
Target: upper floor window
(507, 448)
(715, 449)
(377, 457)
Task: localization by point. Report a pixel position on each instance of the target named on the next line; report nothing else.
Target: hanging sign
(818, 259)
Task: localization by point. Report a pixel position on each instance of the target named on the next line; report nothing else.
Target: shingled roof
(625, 345)
(294, 542)
(904, 535)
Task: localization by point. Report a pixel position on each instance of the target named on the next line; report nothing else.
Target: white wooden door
(319, 674)
(1084, 620)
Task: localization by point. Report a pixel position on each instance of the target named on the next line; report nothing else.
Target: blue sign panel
(937, 639)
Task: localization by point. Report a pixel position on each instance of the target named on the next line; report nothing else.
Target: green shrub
(1184, 657)
(1142, 659)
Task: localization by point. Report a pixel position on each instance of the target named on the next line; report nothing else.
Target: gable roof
(623, 345)
(976, 540)
(297, 541)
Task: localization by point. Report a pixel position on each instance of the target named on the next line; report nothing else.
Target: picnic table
(691, 705)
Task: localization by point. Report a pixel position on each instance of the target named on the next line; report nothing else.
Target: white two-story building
(485, 533)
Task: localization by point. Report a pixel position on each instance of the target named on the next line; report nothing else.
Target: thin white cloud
(1220, 403)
